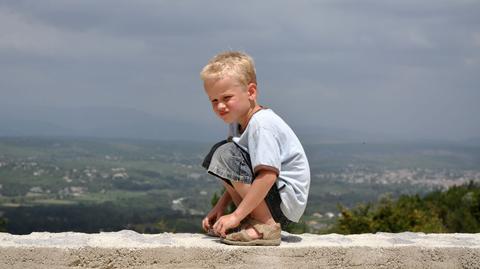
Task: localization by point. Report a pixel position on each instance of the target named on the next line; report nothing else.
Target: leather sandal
(271, 235)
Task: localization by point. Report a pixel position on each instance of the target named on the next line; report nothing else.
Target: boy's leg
(236, 198)
(237, 176)
(261, 212)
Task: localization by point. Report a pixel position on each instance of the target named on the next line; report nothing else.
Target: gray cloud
(401, 67)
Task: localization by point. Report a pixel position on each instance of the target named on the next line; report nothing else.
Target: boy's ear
(252, 91)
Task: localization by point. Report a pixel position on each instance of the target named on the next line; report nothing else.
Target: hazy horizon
(125, 123)
(403, 70)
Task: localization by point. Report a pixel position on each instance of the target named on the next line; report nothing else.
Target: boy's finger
(222, 232)
(216, 226)
(206, 224)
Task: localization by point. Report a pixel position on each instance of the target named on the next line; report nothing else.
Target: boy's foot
(251, 231)
(255, 234)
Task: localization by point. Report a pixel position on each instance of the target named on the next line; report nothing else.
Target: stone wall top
(131, 239)
(128, 249)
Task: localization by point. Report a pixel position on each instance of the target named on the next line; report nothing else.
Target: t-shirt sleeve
(264, 149)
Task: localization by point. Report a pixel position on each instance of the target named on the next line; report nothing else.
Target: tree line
(456, 210)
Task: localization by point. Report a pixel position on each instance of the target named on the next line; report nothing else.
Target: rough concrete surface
(128, 249)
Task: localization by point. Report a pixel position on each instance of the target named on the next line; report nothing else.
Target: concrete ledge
(130, 249)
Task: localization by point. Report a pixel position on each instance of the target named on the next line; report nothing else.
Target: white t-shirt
(271, 142)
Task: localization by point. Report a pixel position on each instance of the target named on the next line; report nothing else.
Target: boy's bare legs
(260, 213)
(233, 193)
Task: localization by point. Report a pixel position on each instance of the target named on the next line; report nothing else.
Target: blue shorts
(229, 162)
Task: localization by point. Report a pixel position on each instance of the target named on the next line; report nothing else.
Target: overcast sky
(410, 68)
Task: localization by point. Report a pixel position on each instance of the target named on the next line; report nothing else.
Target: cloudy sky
(406, 68)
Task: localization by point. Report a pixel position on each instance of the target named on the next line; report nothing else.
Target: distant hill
(119, 122)
(131, 123)
(474, 141)
(99, 122)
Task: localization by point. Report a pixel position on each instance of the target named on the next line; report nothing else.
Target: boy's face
(231, 100)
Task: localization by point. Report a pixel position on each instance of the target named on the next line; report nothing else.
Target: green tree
(458, 207)
(357, 220)
(408, 213)
(454, 210)
(3, 225)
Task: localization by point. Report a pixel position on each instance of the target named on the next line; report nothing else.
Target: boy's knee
(229, 163)
(224, 151)
(228, 185)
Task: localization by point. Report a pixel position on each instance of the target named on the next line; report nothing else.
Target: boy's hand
(216, 212)
(212, 216)
(224, 223)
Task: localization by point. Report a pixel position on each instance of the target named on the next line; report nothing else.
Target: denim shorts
(227, 161)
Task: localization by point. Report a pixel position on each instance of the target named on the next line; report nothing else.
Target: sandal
(271, 235)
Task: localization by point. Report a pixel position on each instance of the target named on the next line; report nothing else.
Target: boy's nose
(221, 106)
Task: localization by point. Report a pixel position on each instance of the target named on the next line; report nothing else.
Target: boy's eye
(226, 98)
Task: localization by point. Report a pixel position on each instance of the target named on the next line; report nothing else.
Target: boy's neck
(243, 125)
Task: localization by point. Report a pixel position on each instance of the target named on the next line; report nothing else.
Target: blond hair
(234, 64)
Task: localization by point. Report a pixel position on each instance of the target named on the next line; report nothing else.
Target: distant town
(144, 182)
(425, 177)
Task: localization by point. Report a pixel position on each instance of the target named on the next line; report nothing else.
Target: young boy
(262, 164)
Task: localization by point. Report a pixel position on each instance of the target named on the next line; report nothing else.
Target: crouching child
(261, 164)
